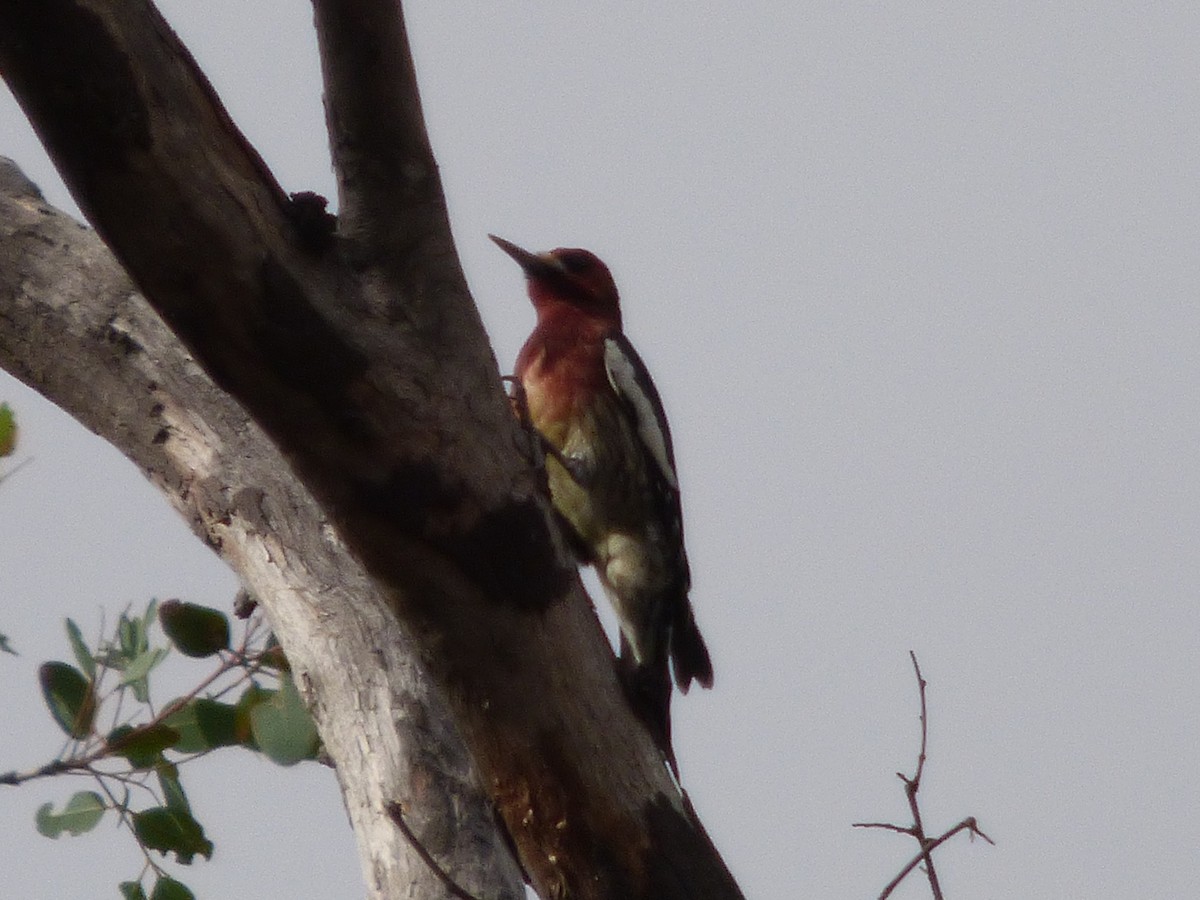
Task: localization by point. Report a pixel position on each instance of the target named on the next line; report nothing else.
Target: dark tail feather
(648, 690)
(688, 652)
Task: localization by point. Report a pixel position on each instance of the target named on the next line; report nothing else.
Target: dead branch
(912, 785)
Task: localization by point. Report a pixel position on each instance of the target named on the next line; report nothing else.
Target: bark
(361, 357)
(64, 298)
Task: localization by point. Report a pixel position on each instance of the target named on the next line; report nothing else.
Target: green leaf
(128, 632)
(168, 779)
(8, 430)
(136, 674)
(83, 655)
(169, 889)
(132, 890)
(142, 746)
(150, 616)
(273, 656)
(47, 821)
(204, 724)
(109, 656)
(79, 816)
(140, 666)
(70, 697)
(283, 728)
(5, 646)
(251, 698)
(132, 635)
(198, 631)
(172, 831)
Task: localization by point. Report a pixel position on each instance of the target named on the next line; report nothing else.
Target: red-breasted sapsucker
(611, 471)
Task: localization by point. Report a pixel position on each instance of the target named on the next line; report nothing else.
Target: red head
(567, 275)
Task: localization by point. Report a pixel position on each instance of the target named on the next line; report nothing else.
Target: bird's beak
(532, 264)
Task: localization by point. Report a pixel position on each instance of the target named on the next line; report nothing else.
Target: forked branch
(912, 785)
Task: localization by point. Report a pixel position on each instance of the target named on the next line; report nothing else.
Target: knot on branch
(314, 226)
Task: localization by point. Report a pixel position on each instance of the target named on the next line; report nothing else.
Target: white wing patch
(630, 380)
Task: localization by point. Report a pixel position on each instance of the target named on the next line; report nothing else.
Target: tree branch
(373, 378)
(912, 787)
(928, 846)
(64, 298)
(389, 190)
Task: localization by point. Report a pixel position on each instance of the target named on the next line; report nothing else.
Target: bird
(610, 466)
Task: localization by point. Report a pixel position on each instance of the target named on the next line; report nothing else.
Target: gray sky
(919, 289)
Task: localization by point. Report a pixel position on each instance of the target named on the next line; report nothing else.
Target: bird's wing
(630, 379)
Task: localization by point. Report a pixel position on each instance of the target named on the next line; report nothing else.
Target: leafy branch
(139, 751)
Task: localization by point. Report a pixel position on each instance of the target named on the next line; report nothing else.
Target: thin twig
(917, 830)
(125, 819)
(967, 824)
(913, 785)
(57, 767)
(888, 826)
(395, 811)
(101, 749)
(15, 469)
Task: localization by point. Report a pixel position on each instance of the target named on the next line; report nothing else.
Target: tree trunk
(361, 364)
(65, 299)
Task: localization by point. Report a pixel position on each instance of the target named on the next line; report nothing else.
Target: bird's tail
(688, 651)
(648, 686)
